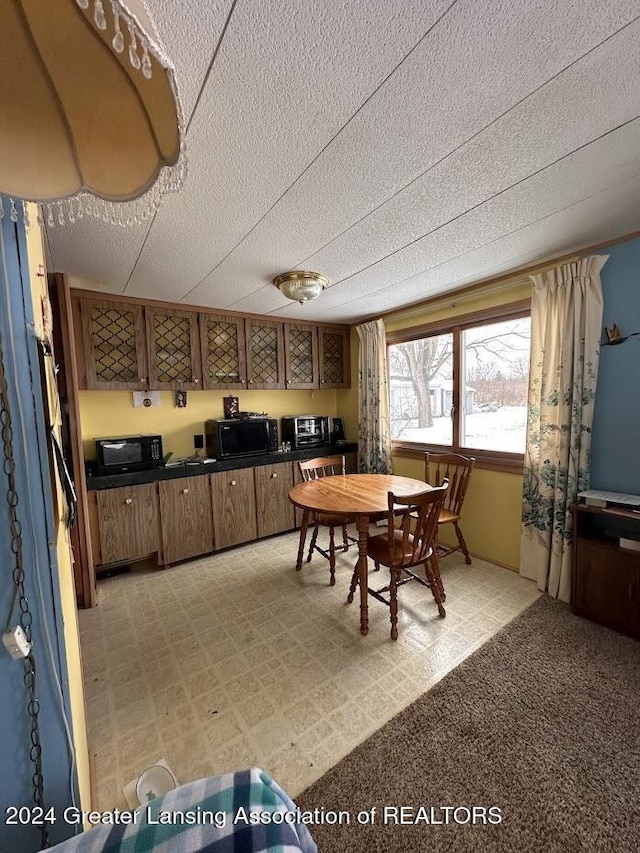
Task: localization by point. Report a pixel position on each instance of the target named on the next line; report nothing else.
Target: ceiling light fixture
(93, 121)
(301, 285)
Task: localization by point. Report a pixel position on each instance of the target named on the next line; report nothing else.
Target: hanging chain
(19, 595)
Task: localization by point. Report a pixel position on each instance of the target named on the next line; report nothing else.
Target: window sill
(489, 460)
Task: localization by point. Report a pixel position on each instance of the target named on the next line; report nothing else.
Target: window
(464, 386)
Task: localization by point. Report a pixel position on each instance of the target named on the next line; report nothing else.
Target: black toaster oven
(304, 431)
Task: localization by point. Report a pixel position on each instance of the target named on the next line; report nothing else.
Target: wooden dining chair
(457, 470)
(410, 541)
(314, 469)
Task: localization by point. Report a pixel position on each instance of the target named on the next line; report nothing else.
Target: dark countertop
(192, 469)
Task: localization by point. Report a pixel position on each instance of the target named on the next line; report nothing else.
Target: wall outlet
(16, 643)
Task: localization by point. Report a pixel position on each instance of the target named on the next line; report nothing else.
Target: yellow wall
(111, 413)
(63, 546)
(492, 509)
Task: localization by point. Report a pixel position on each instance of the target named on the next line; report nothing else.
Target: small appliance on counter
(241, 437)
(304, 431)
(128, 453)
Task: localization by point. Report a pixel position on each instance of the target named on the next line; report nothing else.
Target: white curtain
(566, 325)
(374, 437)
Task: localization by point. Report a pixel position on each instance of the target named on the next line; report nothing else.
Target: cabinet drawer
(128, 521)
(186, 518)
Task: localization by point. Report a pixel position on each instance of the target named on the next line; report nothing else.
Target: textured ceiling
(404, 148)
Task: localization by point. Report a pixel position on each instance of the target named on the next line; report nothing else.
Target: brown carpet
(543, 722)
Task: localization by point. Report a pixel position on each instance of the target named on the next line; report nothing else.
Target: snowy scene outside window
(494, 368)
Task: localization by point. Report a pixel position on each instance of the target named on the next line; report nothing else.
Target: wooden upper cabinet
(223, 351)
(334, 357)
(301, 356)
(174, 349)
(265, 353)
(114, 345)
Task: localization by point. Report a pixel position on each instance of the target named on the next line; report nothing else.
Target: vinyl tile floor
(236, 660)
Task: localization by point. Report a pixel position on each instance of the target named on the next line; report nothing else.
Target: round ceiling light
(301, 285)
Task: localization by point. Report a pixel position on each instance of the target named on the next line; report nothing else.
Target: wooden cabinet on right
(334, 357)
(234, 507)
(606, 577)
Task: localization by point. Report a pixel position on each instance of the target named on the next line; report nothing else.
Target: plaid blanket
(244, 812)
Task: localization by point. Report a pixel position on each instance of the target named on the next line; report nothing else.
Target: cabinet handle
(185, 491)
(274, 475)
(233, 482)
(128, 501)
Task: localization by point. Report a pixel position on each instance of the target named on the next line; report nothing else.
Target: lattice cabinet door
(301, 356)
(334, 357)
(114, 350)
(174, 349)
(265, 354)
(223, 351)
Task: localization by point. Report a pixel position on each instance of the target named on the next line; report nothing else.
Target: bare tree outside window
(491, 411)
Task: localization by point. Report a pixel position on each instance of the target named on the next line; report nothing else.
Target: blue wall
(615, 448)
(20, 355)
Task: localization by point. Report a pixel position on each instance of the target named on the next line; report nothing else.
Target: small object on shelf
(614, 336)
(231, 406)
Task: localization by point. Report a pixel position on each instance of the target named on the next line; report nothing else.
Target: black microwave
(241, 437)
(128, 453)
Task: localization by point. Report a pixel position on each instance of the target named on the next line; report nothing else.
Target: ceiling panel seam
(488, 199)
(323, 149)
(216, 50)
(470, 210)
(395, 284)
(467, 141)
(214, 56)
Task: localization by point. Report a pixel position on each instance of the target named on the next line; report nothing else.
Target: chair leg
(303, 536)
(393, 603)
(332, 558)
(462, 543)
(313, 542)
(432, 571)
(345, 540)
(355, 577)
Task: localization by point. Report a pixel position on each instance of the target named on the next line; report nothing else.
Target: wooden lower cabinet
(606, 585)
(275, 510)
(128, 523)
(186, 518)
(234, 507)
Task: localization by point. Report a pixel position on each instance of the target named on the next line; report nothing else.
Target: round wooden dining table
(364, 496)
